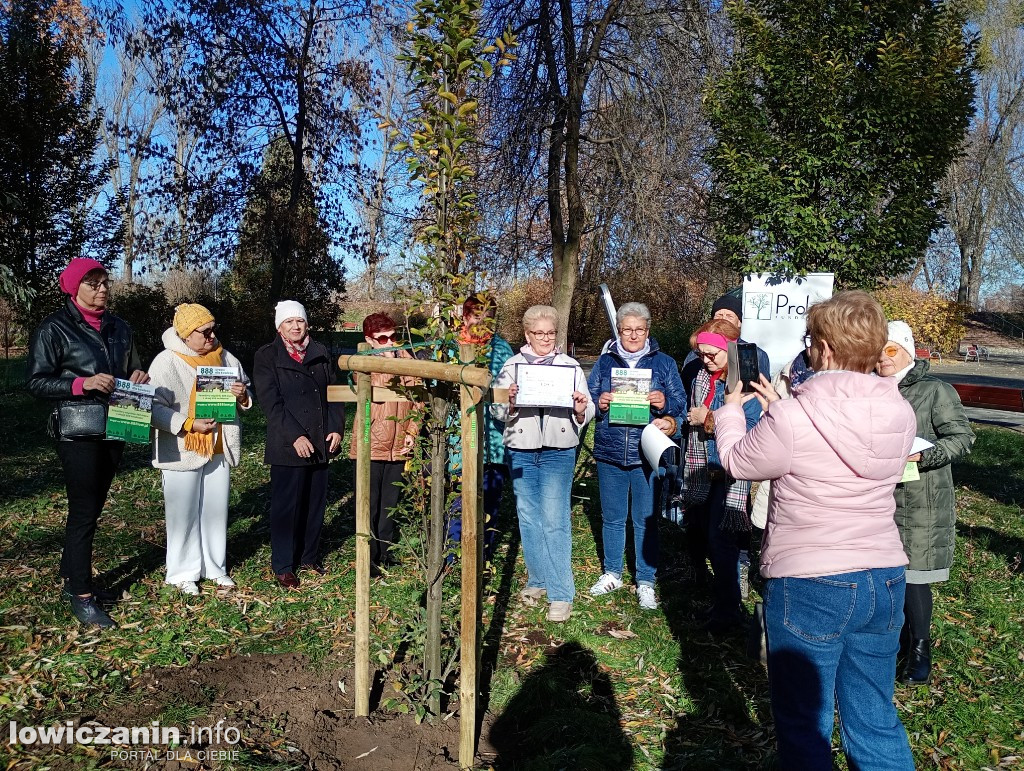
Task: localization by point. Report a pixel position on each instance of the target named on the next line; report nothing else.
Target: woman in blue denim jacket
(622, 471)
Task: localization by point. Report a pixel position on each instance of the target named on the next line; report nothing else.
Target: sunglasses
(385, 338)
(707, 355)
(891, 351)
(97, 285)
(208, 333)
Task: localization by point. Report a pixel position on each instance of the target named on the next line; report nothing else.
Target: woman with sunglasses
(716, 503)
(195, 455)
(392, 436)
(291, 375)
(73, 358)
(925, 507)
(625, 478)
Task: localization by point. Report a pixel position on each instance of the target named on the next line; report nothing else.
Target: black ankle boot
(919, 662)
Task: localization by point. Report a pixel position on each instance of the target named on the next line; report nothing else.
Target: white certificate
(545, 385)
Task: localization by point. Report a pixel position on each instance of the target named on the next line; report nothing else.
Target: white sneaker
(224, 581)
(188, 587)
(531, 594)
(605, 584)
(559, 611)
(645, 594)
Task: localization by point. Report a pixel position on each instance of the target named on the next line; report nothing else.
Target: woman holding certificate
(634, 384)
(195, 452)
(547, 410)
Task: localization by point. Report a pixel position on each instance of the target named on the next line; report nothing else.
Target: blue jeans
(618, 485)
(542, 482)
(495, 475)
(834, 639)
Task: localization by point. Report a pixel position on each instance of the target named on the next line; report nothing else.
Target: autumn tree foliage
(936, 319)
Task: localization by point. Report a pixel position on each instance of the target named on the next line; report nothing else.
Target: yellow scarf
(202, 444)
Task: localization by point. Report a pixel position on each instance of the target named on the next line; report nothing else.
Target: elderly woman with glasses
(73, 358)
(625, 478)
(716, 503)
(541, 444)
(832, 559)
(925, 507)
(392, 435)
(195, 455)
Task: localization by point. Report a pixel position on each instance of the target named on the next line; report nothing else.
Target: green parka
(925, 512)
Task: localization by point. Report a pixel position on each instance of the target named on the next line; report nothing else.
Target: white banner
(774, 312)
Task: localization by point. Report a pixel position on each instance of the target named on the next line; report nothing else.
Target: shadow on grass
(1009, 547)
(727, 723)
(564, 716)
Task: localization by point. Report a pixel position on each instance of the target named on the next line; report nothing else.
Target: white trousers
(196, 511)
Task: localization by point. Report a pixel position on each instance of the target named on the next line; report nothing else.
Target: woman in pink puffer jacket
(831, 555)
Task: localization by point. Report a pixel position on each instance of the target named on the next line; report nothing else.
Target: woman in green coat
(925, 510)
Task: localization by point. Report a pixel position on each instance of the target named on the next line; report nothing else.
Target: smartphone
(749, 371)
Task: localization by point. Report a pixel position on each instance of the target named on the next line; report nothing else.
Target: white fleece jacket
(173, 378)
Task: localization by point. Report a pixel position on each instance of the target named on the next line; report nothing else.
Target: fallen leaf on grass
(622, 634)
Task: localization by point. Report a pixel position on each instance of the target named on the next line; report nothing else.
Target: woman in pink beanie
(74, 356)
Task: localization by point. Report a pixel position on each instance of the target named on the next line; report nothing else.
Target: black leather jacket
(65, 347)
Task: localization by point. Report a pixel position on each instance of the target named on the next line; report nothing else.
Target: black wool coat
(294, 398)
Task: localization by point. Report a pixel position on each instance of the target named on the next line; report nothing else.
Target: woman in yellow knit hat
(195, 455)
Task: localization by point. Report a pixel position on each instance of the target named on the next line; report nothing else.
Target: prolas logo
(788, 310)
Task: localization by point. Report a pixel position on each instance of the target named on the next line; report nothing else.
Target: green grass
(612, 688)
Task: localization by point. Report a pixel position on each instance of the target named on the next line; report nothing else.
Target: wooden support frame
(474, 389)
(362, 641)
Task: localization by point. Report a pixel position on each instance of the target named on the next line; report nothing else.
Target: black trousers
(385, 477)
(298, 497)
(89, 468)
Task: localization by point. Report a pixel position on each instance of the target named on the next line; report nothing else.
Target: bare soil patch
(287, 711)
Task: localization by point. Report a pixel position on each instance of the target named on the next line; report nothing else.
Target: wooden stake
(472, 541)
(362, 429)
(432, 370)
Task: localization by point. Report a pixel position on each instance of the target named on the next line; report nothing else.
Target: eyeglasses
(388, 337)
(549, 335)
(97, 285)
(707, 355)
(628, 332)
(891, 351)
(208, 333)
(807, 340)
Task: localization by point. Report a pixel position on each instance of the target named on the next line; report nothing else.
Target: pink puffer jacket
(836, 452)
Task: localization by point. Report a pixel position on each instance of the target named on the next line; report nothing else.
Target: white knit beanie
(288, 309)
(899, 333)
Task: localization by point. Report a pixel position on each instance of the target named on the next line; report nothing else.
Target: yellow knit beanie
(188, 317)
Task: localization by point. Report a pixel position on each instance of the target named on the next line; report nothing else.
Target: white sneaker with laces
(188, 587)
(224, 581)
(645, 594)
(605, 584)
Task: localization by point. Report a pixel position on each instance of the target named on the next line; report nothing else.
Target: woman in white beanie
(291, 375)
(195, 455)
(925, 513)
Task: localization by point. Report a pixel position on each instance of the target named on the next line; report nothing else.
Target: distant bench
(991, 397)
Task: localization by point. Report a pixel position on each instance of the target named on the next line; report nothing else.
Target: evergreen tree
(833, 126)
(313, 276)
(48, 139)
